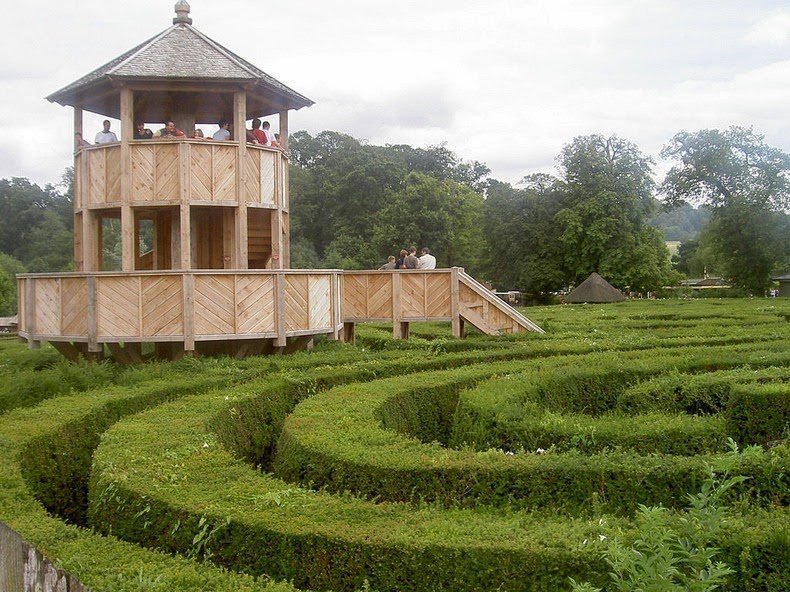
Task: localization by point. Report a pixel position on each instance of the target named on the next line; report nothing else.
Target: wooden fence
(176, 306)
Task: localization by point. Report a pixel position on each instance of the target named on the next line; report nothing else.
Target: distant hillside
(682, 223)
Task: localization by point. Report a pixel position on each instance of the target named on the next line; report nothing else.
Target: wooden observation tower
(204, 224)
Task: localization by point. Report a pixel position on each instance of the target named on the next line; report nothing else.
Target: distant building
(595, 289)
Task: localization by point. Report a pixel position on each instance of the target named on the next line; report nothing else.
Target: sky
(504, 82)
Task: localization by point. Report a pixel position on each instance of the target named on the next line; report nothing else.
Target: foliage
(35, 225)
(673, 554)
(354, 204)
(747, 184)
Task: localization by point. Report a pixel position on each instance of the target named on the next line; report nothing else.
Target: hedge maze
(434, 464)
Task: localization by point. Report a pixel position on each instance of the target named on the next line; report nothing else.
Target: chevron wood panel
(74, 306)
(320, 301)
(438, 295)
(252, 176)
(47, 306)
(255, 304)
(379, 296)
(412, 295)
(214, 305)
(142, 173)
(267, 175)
(96, 176)
(224, 169)
(296, 309)
(167, 172)
(468, 296)
(354, 296)
(118, 306)
(201, 172)
(163, 306)
(113, 172)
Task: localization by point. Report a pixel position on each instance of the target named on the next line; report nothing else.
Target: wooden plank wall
(173, 306)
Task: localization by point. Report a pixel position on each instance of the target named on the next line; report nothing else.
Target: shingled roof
(595, 289)
(180, 53)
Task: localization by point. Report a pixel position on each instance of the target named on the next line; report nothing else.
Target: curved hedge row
(157, 475)
(101, 563)
(350, 437)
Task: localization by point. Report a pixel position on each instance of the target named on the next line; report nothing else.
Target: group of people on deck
(259, 134)
(408, 260)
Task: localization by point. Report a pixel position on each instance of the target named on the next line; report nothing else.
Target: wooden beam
(92, 316)
(30, 313)
(349, 333)
(128, 249)
(67, 350)
(240, 134)
(284, 130)
(188, 287)
(280, 341)
(397, 327)
(277, 239)
(456, 322)
(185, 225)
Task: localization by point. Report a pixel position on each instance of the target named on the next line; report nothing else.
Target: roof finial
(182, 13)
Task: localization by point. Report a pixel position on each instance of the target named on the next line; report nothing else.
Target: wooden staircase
(485, 311)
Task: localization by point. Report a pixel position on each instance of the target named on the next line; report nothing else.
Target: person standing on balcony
(170, 131)
(270, 139)
(223, 133)
(106, 136)
(257, 132)
(427, 261)
(142, 133)
(411, 261)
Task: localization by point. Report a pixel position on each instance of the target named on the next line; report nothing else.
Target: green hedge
(351, 438)
(158, 474)
(105, 564)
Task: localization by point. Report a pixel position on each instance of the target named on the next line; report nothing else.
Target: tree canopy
(747, 184)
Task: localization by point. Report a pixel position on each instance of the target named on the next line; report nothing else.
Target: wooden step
(476, 319)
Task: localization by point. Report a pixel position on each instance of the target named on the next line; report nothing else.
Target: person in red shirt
(170, 131)
(257, 133)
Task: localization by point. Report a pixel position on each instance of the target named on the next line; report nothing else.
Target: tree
(608, 196)
(747, 184)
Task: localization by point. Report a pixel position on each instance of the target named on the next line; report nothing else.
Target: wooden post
(128, 247)
(185, 224)
(93, 317)
(397, 326)
(277, 239)
(349, 333)
(241, 255)
(30, 313)
(455, 305)
(284, 131)
(279, 308)
(188, 286)
(334, 313)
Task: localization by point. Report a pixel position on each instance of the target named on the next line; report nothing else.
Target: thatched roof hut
(595, 289)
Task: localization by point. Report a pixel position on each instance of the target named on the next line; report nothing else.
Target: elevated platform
(243, 312)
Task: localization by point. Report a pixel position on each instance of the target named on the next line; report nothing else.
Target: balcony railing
(167, 172)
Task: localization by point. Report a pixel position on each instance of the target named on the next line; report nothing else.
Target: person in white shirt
(270, 139)
(223, 133)
(106, 136)
(427, 261)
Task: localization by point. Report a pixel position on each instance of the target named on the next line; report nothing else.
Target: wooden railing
(403, 296)
(160, 170)
(176, 306)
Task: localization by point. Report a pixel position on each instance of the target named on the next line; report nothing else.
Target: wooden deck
(81, 312)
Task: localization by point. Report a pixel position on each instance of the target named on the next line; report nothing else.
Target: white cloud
(504, 82)
(772, 29)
